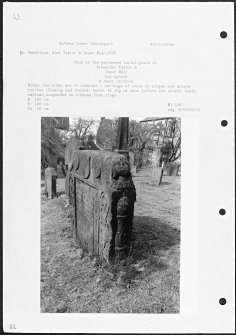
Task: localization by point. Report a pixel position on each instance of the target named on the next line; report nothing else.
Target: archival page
(156, 81)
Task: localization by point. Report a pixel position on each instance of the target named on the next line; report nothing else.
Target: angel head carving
(120, 167)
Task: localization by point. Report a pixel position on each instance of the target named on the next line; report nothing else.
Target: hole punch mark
(224, 123)
(222, 211)
(222, 301)
(223, 34)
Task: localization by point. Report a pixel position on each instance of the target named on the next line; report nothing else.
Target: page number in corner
(12, 326)
(16, 16)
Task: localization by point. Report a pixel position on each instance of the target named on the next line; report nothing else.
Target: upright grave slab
(173, 169)
(157, 170)
(133, 167)
(50, 182)
(71, 146)
(102, 195)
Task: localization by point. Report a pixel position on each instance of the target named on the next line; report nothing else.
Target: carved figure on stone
(120, 167)
(124, 197)
(122, 233)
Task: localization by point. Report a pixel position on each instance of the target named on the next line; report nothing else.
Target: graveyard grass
(73, 281)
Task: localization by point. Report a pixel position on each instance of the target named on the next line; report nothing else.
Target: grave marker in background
(50, 182)
(157, 170)
(72, 145)
(133, 167)
(172, 169)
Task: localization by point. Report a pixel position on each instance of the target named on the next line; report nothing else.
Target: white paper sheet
(123, 59)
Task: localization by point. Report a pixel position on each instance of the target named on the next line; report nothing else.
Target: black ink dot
(222, 211)
(222, 301)
(224, 123)
(223, 34)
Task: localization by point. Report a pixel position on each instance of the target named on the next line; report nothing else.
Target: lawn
(73, 281)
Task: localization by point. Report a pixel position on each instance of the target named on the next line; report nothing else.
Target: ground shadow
(151, 235)
(151, 240)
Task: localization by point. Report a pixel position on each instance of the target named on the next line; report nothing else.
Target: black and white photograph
(118, 167)
(110, 215)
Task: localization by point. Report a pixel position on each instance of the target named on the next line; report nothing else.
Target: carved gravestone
(61, 173)
(133, 167)
(50, 182)
(72, 145)
(157, 171)
(157, 174)
(122, 152)
(102, 195)
(172, 169)
(137, 158)
(156, 156)
(53, 161)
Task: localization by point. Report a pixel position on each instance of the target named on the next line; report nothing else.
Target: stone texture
(102, 194)
(172, 169)
(72, 145)
(61, 173)
(131, 158)
(157, 173)
(156, 156)
(122, 152)
(145, 157)
(50, 182)
(133, 167)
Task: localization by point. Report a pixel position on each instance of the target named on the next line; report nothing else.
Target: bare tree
(166, 133)
(170, 136)
(82, 128)
(141, 134)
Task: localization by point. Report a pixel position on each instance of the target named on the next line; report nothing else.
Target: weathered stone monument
(73, 144)
(61, 173)
(144, 157)
(156, 156)
(173, 169)
(157, 170)
(102, 195)
(133, 167)
(157, 174)
(50, 182)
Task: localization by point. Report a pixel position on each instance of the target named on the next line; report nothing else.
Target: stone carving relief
(96, 167)
(108, 174)
(87, 168)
